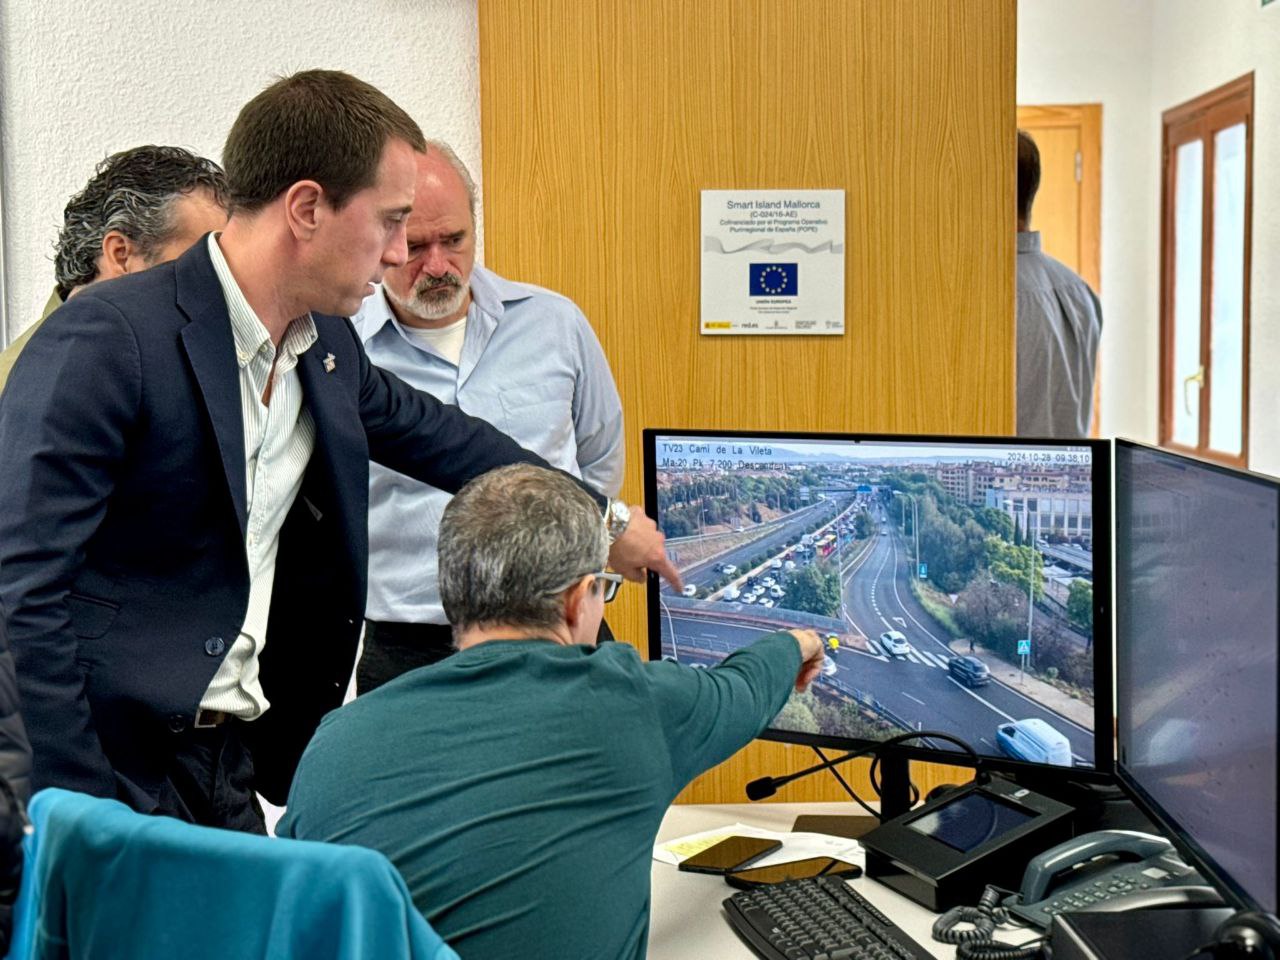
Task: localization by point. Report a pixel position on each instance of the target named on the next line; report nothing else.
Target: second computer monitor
(914, 558)
(1197, 660)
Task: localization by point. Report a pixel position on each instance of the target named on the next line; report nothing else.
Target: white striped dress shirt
(278, 440)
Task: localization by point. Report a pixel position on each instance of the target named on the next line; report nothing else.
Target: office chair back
(102, 881)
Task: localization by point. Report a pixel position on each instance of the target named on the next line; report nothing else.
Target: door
(1068, 206)
(1204, 274)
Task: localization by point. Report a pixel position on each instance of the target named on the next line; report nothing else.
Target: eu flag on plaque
(773, 279)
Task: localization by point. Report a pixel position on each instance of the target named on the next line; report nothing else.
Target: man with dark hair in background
(142, 207)
(1059, 323)
(519, 784)
(183, 553)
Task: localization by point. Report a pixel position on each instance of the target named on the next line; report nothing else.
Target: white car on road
(894, 644)
(1035, 741)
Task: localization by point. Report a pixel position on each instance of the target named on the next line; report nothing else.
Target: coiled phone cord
(978, 942)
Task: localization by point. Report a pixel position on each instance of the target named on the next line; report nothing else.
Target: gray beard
(426, 302)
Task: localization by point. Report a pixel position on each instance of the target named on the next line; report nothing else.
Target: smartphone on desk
(795, 870)
(731, 853)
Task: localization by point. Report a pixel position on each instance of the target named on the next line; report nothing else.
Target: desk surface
(687, 920)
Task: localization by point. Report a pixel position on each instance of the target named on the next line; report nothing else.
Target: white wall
(80, 79)
(1139, 58)
(1098, 51)
(1196, 47)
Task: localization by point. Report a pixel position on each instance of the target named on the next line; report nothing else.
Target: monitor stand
(895, 799)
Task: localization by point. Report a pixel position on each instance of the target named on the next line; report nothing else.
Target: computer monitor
(913, 557)
(1197, 630)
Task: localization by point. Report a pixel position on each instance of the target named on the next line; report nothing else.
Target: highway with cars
(1068, 555)
(781, 535)
(915, 690)
(878, 598)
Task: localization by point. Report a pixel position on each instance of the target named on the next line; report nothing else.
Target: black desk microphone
(767, 786)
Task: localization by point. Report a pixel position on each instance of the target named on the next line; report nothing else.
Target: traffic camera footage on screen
(952, 583)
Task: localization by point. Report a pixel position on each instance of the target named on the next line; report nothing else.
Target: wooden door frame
(1088, 118)
(1200, 117)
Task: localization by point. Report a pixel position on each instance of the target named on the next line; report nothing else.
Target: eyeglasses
(611, 581)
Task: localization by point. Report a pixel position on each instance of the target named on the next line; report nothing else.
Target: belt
(211, 718)
(411, 633)
(432, 639)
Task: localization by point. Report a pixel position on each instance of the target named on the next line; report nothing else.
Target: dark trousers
(391, 649)
(209, 781)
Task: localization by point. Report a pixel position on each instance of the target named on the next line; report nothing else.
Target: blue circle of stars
(773, 279)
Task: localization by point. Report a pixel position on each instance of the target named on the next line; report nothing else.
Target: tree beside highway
(1080, 605)
(815, 589)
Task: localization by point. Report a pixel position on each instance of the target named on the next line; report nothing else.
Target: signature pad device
(946, 852)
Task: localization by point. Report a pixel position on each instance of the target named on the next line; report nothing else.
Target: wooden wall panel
(602, 120)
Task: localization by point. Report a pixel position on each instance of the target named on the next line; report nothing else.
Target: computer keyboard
(818, 919)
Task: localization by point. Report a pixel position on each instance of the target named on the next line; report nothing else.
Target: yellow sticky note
(687, 848)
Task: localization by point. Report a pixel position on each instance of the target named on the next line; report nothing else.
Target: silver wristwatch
(616, 518)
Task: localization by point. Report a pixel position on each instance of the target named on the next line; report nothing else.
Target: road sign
(924, 571)
(1024, 648)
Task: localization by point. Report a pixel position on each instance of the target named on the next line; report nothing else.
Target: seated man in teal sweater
(518, 785)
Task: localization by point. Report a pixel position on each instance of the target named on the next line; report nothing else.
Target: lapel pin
(329, 363)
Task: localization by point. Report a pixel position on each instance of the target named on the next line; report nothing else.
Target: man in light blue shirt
(519, 356)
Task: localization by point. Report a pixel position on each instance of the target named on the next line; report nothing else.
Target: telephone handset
(1109, 870)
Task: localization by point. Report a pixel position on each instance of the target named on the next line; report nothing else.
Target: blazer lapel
(341, 446)
(211, 349)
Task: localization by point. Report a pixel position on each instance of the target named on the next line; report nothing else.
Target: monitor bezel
(1100, 454)
(1186, 844)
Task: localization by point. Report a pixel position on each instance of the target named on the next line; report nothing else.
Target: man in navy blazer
(182, 577)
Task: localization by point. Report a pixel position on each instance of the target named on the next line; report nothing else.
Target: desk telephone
(1110, 870)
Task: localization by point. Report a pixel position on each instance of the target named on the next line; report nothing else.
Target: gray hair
(511, 542)
(131, 192)
(448, 153)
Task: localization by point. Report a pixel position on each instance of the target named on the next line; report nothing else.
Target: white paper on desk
(795, 846)
(802, 846)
